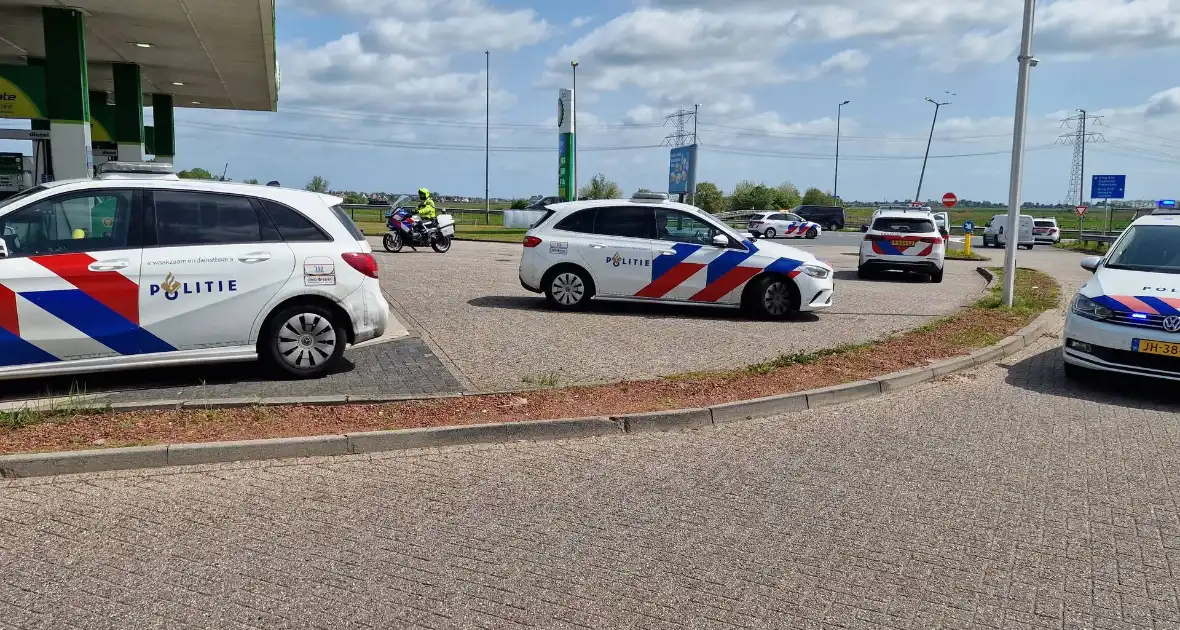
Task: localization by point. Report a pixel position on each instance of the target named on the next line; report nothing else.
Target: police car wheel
(812, 233)
(774, 297)
(863, 273)
(770, 233)
(304, 340)
(937, 276)
(568, 290)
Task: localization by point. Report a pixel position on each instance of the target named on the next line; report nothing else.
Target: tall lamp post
(574, 107)
(937, 106)
(836, 176)
(1026, 61)
(487, 135)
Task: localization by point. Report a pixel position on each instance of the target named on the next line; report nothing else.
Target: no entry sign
(949, 200)
(1081, 210)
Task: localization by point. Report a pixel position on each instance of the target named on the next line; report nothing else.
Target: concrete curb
(101, 460)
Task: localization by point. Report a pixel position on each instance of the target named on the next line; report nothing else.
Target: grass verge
(1097, 249)
(958, 254)
(973, 327)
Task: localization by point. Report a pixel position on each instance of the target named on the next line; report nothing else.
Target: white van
(993, 233)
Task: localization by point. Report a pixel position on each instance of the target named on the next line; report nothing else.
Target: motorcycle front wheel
(392, 242)
(441, 243)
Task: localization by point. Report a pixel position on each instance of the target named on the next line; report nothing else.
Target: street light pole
(1026, 63)
(836, 176)
(937, 105)
(487, 134)
(574, 107)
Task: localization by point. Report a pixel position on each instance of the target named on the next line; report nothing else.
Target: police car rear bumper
(528, 287)
(922, 265)
(1109, 347)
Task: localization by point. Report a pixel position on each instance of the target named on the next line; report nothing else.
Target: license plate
(902, 244)
(1165, 348)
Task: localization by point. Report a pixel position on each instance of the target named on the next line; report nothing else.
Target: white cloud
(581, 21)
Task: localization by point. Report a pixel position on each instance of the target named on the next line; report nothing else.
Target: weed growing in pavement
(33, 413)
(545, 379)
(804, 358)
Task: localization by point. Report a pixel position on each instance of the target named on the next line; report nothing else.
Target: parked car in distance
(830, 217)
(1046, 231)
(781, 224)
(993, 232)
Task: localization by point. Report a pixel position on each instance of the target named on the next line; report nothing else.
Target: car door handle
(108, 265)
(596, 246)
(667, 252)
(255, 257)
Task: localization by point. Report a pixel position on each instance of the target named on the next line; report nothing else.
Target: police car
(1127, 317)
(773, 224)
(650, 249)
(138, 268)
(902, 238)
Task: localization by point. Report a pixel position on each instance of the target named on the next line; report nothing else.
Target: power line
(325, 139)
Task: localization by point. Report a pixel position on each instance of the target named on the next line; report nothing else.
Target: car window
(682, 227)
(92, 221)
(1044, 224)
(1148, 248)
(544, 217)
(629, 221)
(348, 223)
(293, 226)
(904, 225)
(791, 217)
(186, 217)
(581, 221)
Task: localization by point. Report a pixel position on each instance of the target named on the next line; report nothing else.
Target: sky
(390, 95)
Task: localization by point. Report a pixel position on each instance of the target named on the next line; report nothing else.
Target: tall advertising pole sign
(565, 145)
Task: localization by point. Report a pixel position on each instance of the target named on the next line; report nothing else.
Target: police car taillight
(937, 240)
(531, 241)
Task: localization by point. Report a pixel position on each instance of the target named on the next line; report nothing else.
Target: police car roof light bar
(1166, 206)
(147, 168)
(650, 196)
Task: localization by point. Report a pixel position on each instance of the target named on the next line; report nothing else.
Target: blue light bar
(1167, 203)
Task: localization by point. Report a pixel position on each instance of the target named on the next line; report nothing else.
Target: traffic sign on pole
(1108, 186)
(1081, 210)
(968, 227)
(949, 200)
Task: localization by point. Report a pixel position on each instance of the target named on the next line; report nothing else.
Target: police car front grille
(1155, 322)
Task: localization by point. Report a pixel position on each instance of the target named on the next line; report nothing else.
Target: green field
(1095, 219)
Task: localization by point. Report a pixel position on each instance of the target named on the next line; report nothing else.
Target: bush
(519, 204)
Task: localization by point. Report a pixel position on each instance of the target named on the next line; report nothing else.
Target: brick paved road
(1039, 505)
(401, 366)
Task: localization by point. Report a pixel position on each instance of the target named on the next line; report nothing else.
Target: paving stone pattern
(402, 366)
(1038, 504)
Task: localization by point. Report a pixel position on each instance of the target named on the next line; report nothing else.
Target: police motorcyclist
(425, 210)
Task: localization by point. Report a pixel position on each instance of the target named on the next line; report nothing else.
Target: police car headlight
(1090, 309)
(815, 271)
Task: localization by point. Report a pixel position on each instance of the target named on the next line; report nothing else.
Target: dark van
(831, 218)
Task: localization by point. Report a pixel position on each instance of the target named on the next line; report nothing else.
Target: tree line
(746, 195)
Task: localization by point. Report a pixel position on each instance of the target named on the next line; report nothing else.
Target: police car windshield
(1154, 248)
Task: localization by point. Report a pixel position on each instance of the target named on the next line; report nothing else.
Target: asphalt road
(1004, 497)
(469, 307)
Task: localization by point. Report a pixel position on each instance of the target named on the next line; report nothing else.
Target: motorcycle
(407, 228)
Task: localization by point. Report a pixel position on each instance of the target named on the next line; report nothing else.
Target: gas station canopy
(206, 53)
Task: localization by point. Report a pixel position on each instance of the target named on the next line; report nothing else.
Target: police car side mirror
(721, 240)
(1090, 263)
